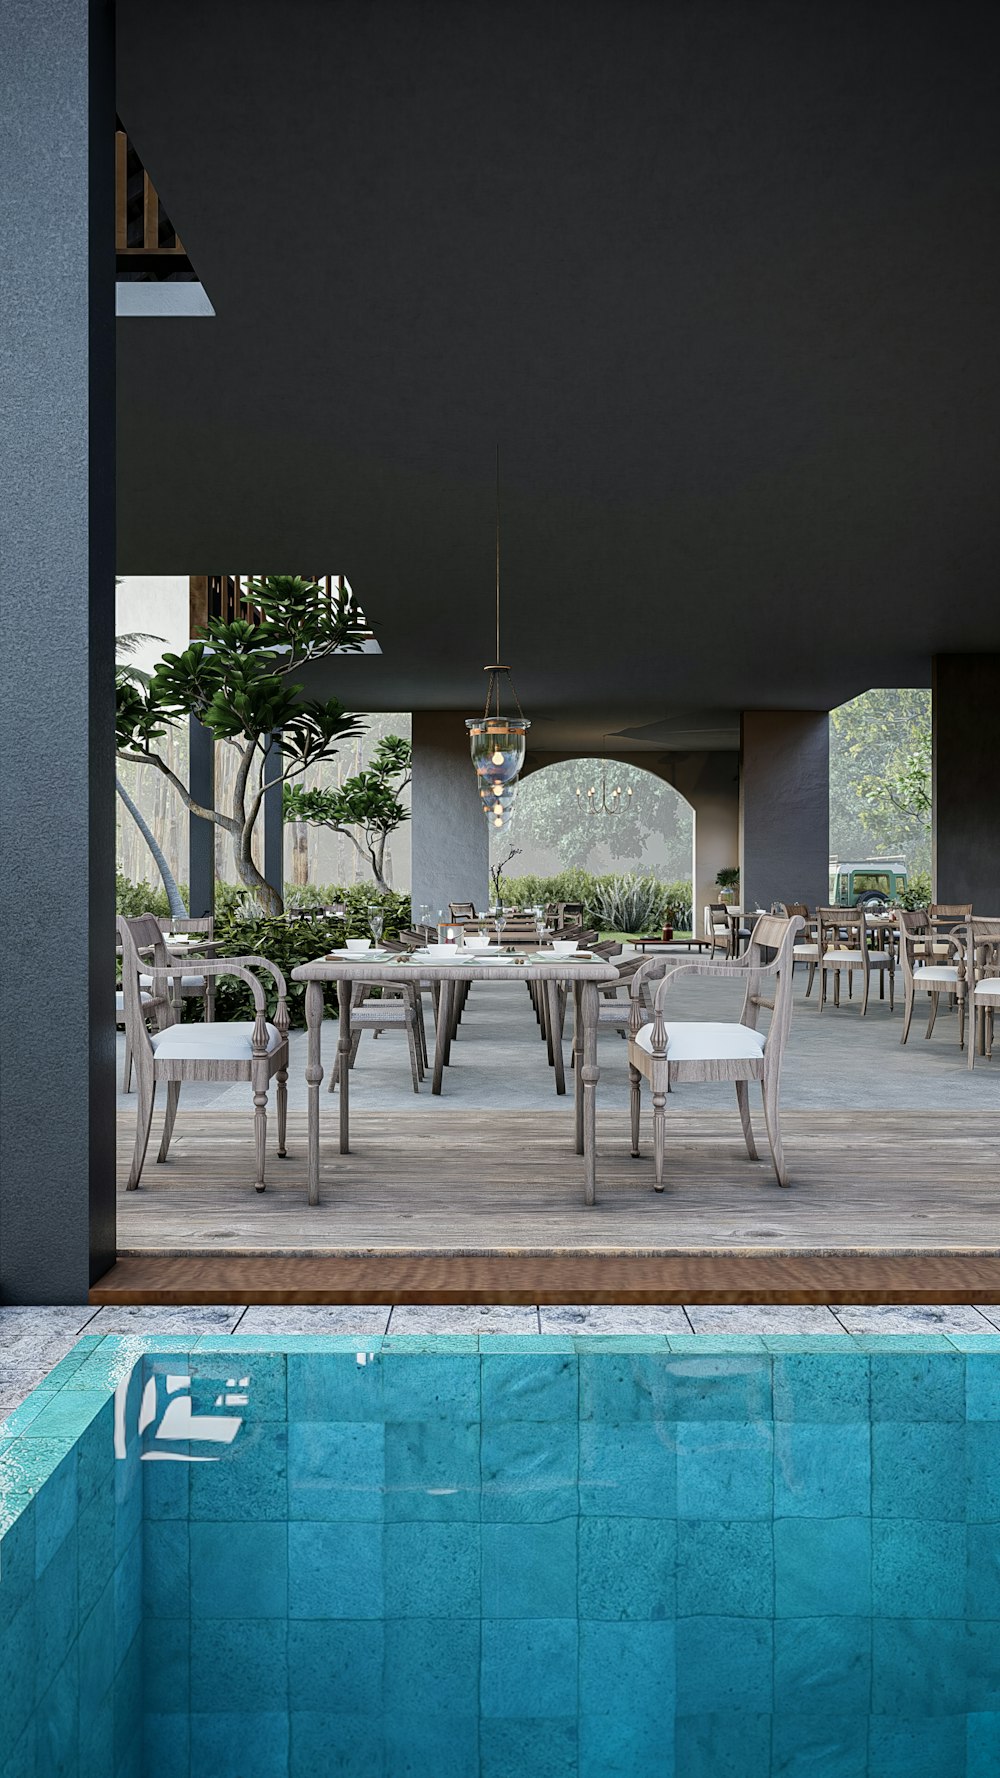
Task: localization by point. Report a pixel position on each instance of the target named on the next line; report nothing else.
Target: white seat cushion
(147, 1000)
(852, 959)
(223, 1042)
(186, 981)
(707, 1043)
(934, 975)
(805, 950)
(989, 989)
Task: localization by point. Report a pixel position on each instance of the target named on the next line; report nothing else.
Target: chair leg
(864, 1000)
(634, 1094)
(147, 1094)
(659, 1137)
(769, 1094)
(127, 1069)
(976, 1018)
(961, 1022)
(908, 999)
(933, 1014)
(173, 1094)
(260, 1131)
(892, 987)
(414, 1049)
(282, 1096)
(811, 979)
(743, 1101)
(822, 989)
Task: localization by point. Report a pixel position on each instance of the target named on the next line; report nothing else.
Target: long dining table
(586, 977)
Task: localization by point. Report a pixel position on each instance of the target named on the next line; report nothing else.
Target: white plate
(363, 956)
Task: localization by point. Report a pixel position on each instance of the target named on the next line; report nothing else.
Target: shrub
(601, 895)
(133, 899)
(628, 903)
(918, 892)
(287, 943)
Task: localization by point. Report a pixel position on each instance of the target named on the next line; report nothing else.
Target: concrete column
(966, 786)
(450, 847)
(273, 819)
(784, 807)
(201, 833)
(57, 787)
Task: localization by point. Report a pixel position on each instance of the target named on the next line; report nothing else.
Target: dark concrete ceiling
(721, 278)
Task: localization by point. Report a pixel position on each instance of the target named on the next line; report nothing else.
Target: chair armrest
(243, 968)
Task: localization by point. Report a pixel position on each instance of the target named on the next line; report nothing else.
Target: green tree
(549, 818)
(127, 674)
(237, 679)
(366, 809)
(880, 775)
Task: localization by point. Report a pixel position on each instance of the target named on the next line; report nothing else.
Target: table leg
(345, 995)
(578, 1062)
(441, 1036)
(314, 1075)
(555, 1036)
(591, 1074)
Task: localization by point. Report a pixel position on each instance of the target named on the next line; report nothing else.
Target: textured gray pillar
(784, 807)
(201, 833)
(274, 831)
(966, 797)
(57, 788)
(449, 840)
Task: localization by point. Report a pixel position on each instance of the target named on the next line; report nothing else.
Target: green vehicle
(866, 883)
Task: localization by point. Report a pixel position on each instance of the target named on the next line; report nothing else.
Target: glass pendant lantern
(497, 741)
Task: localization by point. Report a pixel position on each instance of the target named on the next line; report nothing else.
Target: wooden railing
(147, 245)
(225, 596)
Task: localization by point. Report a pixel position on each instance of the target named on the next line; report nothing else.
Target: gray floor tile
(315, 1318)
(208, 1318)
(643, 1318)
(762, 1318)
(52, 1321)
(902, 1318)
(463, 1318)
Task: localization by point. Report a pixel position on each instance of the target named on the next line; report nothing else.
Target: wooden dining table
(585, 977)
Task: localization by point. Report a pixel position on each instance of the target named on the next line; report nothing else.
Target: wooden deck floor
(895, 1183)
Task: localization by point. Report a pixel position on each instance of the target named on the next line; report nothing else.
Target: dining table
(584, 974)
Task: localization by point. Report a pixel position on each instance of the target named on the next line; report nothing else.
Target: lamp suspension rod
(497, 655)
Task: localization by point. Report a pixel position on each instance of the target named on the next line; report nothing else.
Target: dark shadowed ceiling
(722, 279)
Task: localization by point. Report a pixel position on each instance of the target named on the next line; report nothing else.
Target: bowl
(445, 950)
(564, 947)
(357, 944)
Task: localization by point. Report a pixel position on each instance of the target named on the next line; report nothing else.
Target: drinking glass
(499, 914)
(376, 920)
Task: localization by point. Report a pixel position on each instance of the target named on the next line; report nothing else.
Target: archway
(557, 828)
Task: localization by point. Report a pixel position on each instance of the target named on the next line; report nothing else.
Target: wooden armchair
(718, 928)
(252, 1050)
(944, 974)
(842, 941)
(982, 969)
(462, 910)
(193, 985)
(690, 1051)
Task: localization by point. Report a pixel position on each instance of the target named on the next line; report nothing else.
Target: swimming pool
(570, 1557)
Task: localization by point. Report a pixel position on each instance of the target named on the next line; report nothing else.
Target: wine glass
(499, 914)
(376, 921)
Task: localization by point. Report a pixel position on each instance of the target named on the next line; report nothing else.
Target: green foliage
(728, 877)
(918, 892)
(549, 818)
(644, 900)
(133, 899)
(880, 776)
(288, 943)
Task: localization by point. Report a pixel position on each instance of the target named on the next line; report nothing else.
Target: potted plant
(669, 916)
(727, 882)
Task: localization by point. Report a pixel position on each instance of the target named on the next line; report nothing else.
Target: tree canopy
(366, 807)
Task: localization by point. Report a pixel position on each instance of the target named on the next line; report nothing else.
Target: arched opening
(569, 822)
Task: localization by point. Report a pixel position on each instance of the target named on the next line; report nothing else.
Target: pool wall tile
(920, 1386)
(824, 1386)
(529, 1469)
(626, 1569)
(724, 1469)
(628, 1470)
(723, 1744)
(432, 1567)
(808, 1483)
(543, 1747)
(529, 1570)
(724, 1664)
(918, 1470)
(822, 1567)
(542, 1387)
(918, 1568)
(725, 1569)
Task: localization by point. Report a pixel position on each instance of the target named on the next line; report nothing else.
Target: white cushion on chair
(807, 950)
(845, 959)
(186, 981)
(222, 1042)
(707, 1043)
(934, 975)
(147, 1000)
(989, 988)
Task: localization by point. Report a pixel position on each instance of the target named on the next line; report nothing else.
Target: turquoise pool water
(504, 1558)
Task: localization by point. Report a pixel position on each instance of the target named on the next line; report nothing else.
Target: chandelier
(497, 741)
(603, 801)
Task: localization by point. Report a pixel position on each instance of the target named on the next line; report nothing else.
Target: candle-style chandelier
(497, 741)
(602, 801)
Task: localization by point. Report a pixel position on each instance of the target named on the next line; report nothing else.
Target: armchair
(690, 1051)
(251, 1050)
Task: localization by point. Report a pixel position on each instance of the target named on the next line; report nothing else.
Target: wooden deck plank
(419, 1194)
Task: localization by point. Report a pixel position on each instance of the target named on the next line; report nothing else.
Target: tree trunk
(377, 855)
(253, 879)
(300, 854)
(177, 909)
